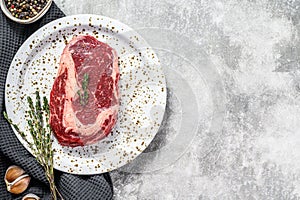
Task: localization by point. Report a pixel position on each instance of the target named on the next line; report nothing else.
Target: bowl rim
(25, 21)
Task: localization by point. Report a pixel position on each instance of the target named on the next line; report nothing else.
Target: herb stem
(41, 132)
(83, 97)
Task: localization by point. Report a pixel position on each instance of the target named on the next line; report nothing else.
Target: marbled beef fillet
(84, 99)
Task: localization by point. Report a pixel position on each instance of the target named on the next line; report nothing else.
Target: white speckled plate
(142, 89)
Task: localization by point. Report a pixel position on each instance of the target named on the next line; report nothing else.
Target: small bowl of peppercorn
(25, 11)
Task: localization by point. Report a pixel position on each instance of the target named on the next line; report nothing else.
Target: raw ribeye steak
(84, 99)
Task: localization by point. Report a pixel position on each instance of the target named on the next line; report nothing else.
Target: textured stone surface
(244, 105)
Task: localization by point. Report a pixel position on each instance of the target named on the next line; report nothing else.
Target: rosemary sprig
(41, 132)
(85, 96)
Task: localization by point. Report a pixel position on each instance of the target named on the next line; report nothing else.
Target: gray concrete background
(245, 103)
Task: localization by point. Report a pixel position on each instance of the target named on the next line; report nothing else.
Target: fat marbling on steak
(84, 99)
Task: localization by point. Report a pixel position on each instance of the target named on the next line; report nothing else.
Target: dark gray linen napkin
(12, 35)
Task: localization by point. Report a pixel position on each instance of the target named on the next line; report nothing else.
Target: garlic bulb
(16, 180)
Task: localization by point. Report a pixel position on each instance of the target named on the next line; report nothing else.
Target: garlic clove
(31, 197)
(15, 179)
(17, 187)
(13, 172)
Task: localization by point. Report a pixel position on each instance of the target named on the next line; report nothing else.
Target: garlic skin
(16, 180)
(31, 197)
(13, 172)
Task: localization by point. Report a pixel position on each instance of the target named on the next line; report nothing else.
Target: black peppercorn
(22, 15)
(25, 9)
